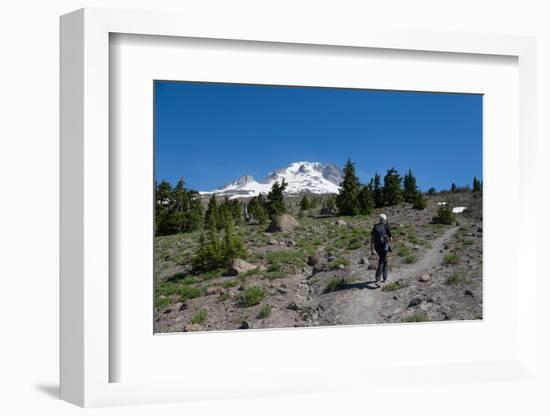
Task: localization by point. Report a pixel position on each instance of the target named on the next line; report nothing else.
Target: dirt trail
(362, 302)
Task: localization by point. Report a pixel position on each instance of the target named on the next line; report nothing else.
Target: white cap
(383, 217)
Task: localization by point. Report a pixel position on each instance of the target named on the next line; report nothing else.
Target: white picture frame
(86, 356)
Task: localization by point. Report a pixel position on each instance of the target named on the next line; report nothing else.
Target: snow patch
(458, 210)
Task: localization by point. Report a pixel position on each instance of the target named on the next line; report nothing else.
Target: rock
(192, 328)
(479, 229)
(290, 243)
(272, 242)
(372, 267)
(341, 267)
(331, 258)
(312, 261)
(395, 297)
(292, 306)
(239, 266)
(468, 292)
(283, 223)
(415, 302)
(425, 277)
(340, 222)
(364, 260)
(446, 246)
(167, 310)
(282, 290)
(245, 325)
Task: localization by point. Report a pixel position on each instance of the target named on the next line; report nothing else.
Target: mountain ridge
(301, 177)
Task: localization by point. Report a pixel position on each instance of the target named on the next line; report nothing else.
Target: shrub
(339, 261)
(404, 251)
(410, 259)
(452, 258)
(199, 317)
(457, 278)
(419, 202)
(251, 297)
(334, 283)
(264, 312)
(285, 260)
(419, 316)
(355, 244)
(188, 292)
(399, 284)
(444, 215)
(274, 274)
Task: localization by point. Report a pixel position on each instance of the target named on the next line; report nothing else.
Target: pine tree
(377, 191)
(419, 202)
(410, 190)
(347, 200)
(366, 200)
(305, 203)
(453, 187)
(276, 199)
(233, 247)
(476, 187)
(195, 215)
(392, 192)
(444, 215)
(257, 209)
(211, 215)
(432, 191)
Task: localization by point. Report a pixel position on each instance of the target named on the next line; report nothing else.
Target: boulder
(212, 290)
(425, 277)
(364, 260)
(341, 222)
(239, 266)
(283, 223)
(312, 261)
(244, 325)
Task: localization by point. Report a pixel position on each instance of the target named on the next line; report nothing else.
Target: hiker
(381, 242)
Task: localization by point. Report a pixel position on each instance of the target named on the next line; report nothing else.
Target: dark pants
(382, 269)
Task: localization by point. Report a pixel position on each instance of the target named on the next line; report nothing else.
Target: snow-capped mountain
(301, 177)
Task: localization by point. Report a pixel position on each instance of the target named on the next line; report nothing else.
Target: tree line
(179, 209)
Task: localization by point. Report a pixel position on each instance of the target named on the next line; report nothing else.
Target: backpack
(381, 238)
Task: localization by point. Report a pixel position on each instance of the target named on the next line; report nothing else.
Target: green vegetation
(334, 284)
(390, 287)
(411, 258)
(392, 192)
(264, 312)
(419, 202)
(188, 292)
(340, 261)
(476, 187)
(251, 297)
(451, 258)
(199, 317)
(444, 215)
(288, 261)
(275, 199)
(177, 210)
(410, 191)
(457, 278)
(347, 200)
(419, 316)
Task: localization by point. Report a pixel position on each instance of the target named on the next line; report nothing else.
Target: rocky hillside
(315, 271)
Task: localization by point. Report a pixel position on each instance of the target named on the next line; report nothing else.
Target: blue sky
(211, 134)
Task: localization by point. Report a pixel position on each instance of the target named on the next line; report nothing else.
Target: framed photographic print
(231, 198)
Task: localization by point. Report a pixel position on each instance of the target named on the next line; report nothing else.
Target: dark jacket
(380, 236)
